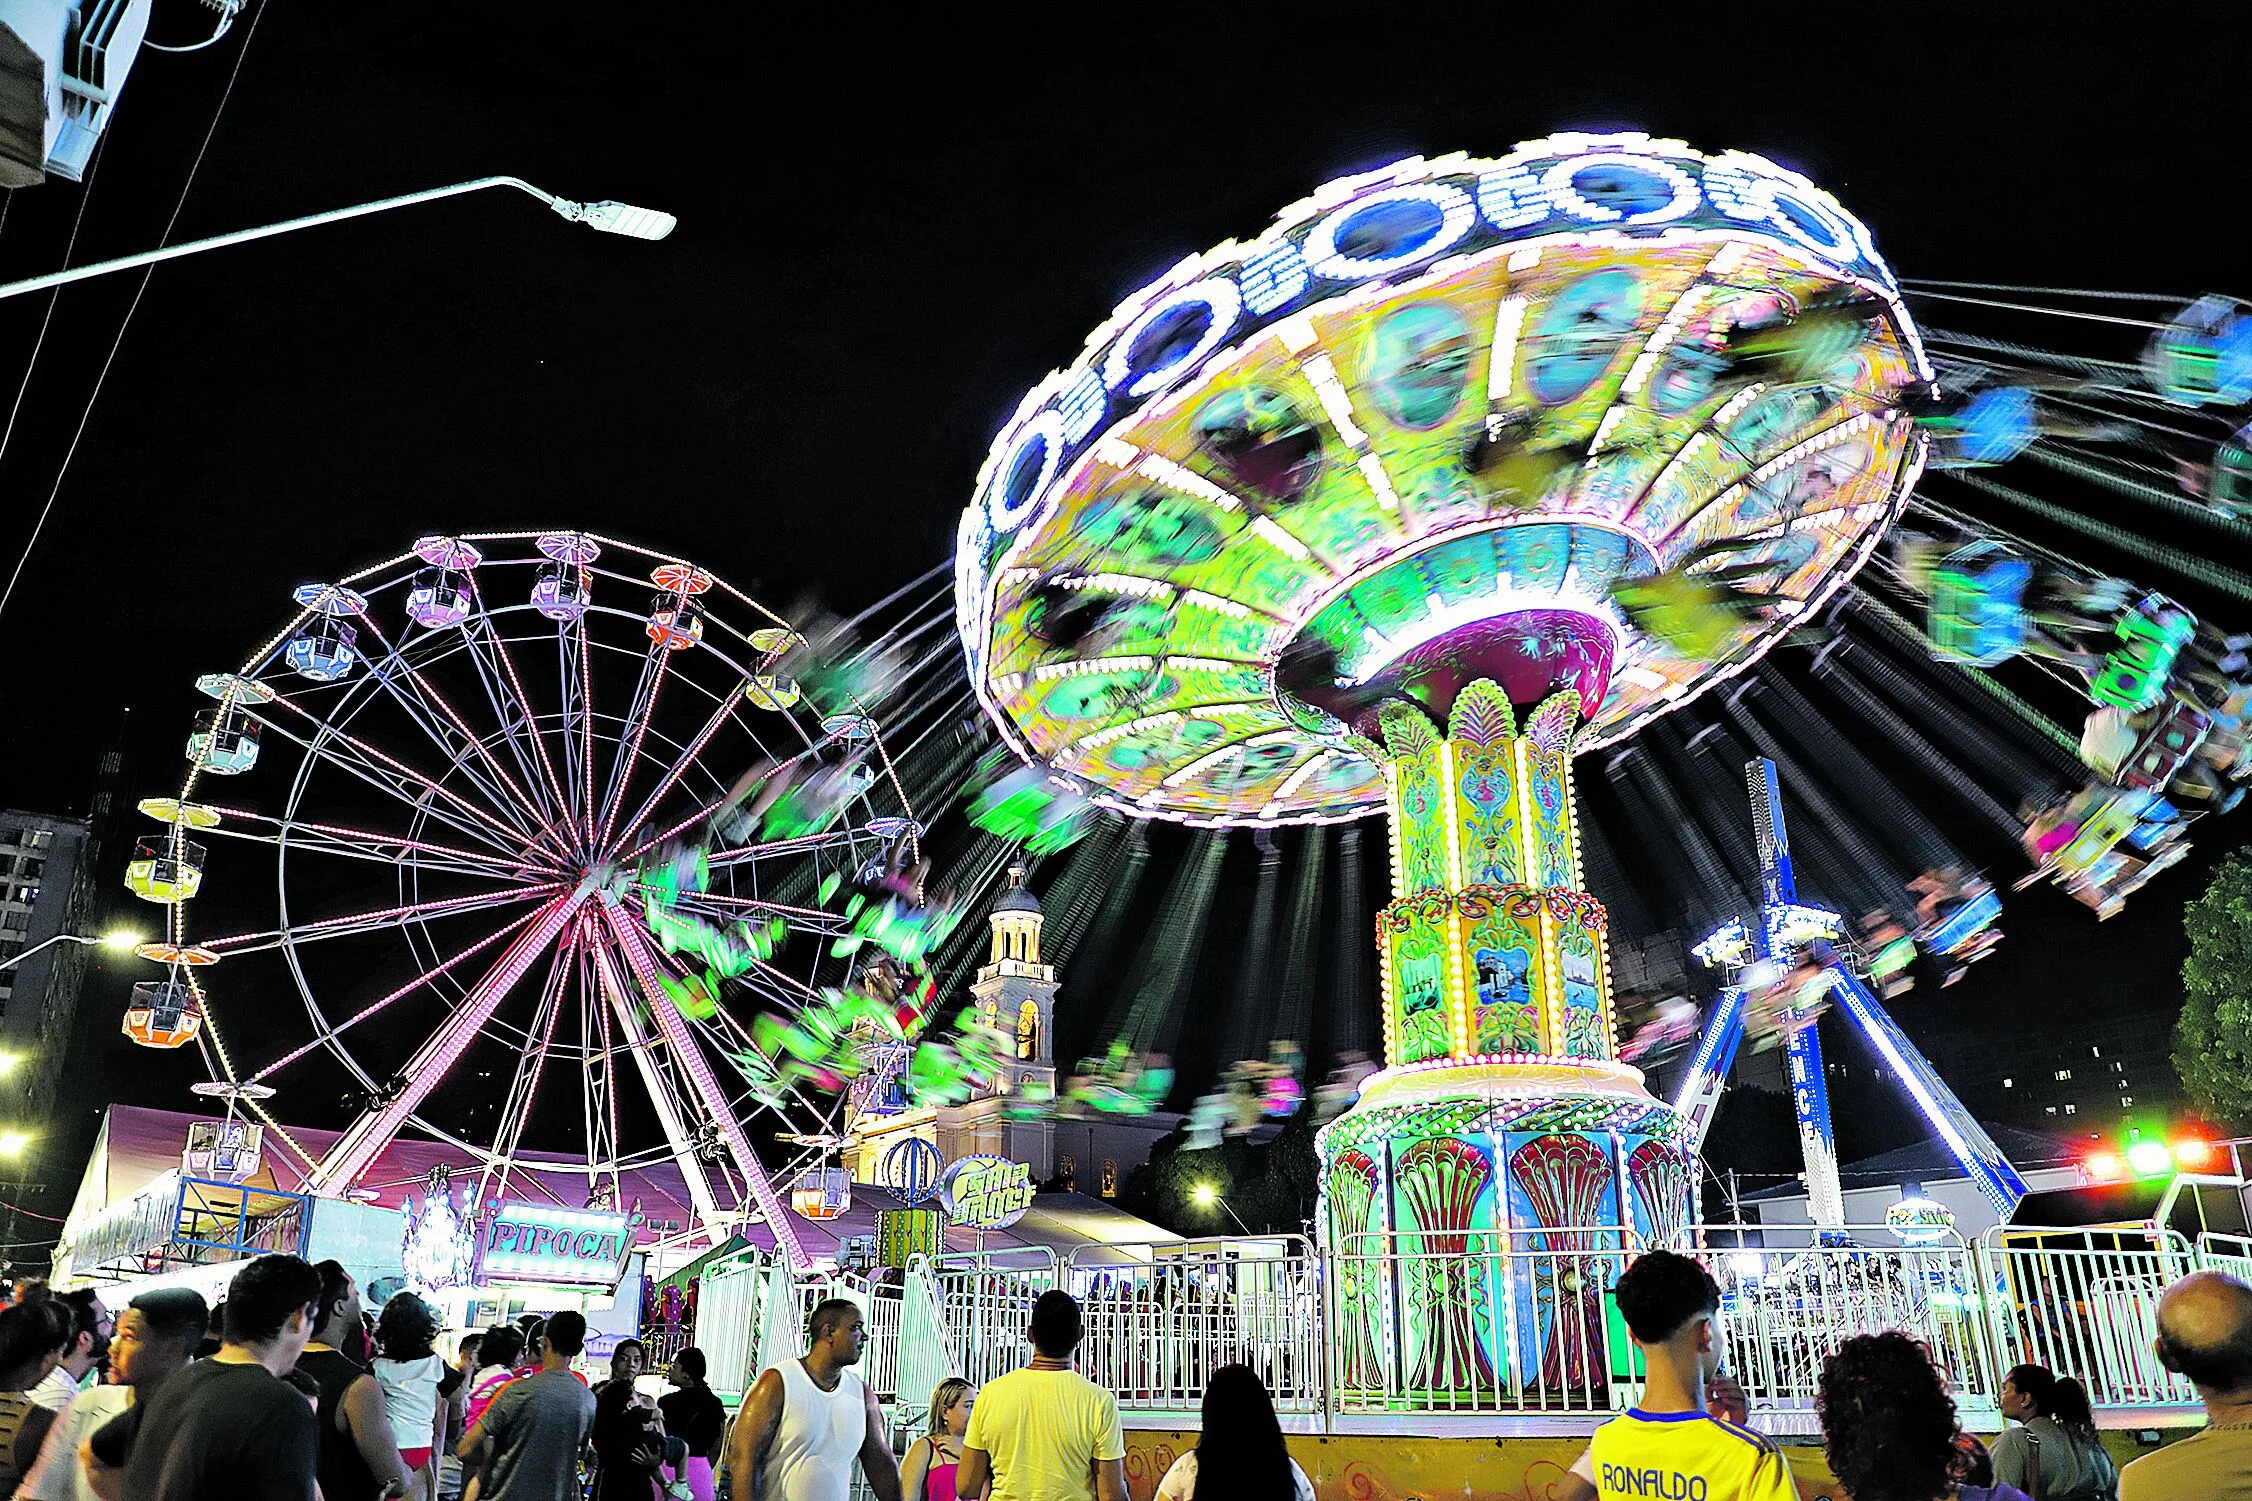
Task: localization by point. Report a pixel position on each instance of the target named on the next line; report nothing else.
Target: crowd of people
(300, 1396)
(291, 1391)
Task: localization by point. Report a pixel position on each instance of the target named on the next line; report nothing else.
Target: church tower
(1015, 993)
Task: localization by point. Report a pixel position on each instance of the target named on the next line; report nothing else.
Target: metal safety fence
(1791, 1299)
(1162, 1317)
(1478, 1323)
(1495, 1323)
(2085, 1303)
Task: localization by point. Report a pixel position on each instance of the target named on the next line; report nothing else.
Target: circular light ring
(1046, 428)
(1223, 305)
(1836, 240)
(1563, 191)
(1457, 214)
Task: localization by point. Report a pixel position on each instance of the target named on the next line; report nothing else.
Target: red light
(2192, 1151)
(2103, 1166)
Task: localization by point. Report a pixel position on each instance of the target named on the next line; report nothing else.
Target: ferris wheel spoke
(585, 800)
(602, 1135)
(524, 710)
(384, 672)
(751, 854)
(629, 743)
(327, 1035)
(386, 773)
(366, 844)
(372, 1131)
(688, 1056)
(729, 909)
(376, 921)
(729, 798)
(512, 715)
(619, 993)
(524, 1083)
(536, 825)
(681, 763)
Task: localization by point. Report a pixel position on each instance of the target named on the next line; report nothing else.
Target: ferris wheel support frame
(364, 1140)
(621, 996)
(641, 958)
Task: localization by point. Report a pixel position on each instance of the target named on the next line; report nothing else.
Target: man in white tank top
(805, 1421)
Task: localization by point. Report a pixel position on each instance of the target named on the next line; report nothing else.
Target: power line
(86, 416)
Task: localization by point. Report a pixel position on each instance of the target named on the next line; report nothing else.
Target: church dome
(1016, 898)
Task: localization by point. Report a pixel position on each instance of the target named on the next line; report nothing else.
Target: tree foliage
(1271, 1185)
(2213, 1039)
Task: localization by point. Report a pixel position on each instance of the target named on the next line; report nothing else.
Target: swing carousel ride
(1465, 468)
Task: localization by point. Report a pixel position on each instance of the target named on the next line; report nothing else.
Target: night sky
(889, 229)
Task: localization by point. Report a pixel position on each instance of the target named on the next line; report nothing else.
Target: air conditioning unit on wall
(62, 66)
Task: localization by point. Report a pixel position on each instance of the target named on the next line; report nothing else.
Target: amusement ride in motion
(1466, 467)
(571, 792)
(1463, 470)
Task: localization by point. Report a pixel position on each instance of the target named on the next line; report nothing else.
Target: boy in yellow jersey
(1670, 1448)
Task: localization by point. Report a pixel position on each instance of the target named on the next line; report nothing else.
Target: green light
(1205, 1195)
(2149, 1158)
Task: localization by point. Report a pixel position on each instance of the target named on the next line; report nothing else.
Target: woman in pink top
(496, 1360)
(928, 1473)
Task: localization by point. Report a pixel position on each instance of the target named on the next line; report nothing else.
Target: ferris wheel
(533, 802)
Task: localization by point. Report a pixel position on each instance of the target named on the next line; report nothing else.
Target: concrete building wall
(44, 890)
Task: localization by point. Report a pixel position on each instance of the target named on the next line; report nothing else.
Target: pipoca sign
(985, 1193)
(546, 1244)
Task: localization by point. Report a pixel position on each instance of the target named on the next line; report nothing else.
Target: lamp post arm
(564, 206)
(46, 943)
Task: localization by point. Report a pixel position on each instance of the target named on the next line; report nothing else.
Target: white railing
(985, 1300)
(1495, 1322)
(1799, 1294)
(2085, 1303)
(727, 1321)
(1511, 1323)
(1162, 1317)
(2225, 1253)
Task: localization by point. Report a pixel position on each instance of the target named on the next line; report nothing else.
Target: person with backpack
(2054, 1454)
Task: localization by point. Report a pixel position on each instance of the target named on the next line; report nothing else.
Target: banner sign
(544, 1244)
(985, 1193)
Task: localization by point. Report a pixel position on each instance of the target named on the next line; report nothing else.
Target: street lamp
(1206, 1195)
(117, 942)
(12, 1143)
(609, 217)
